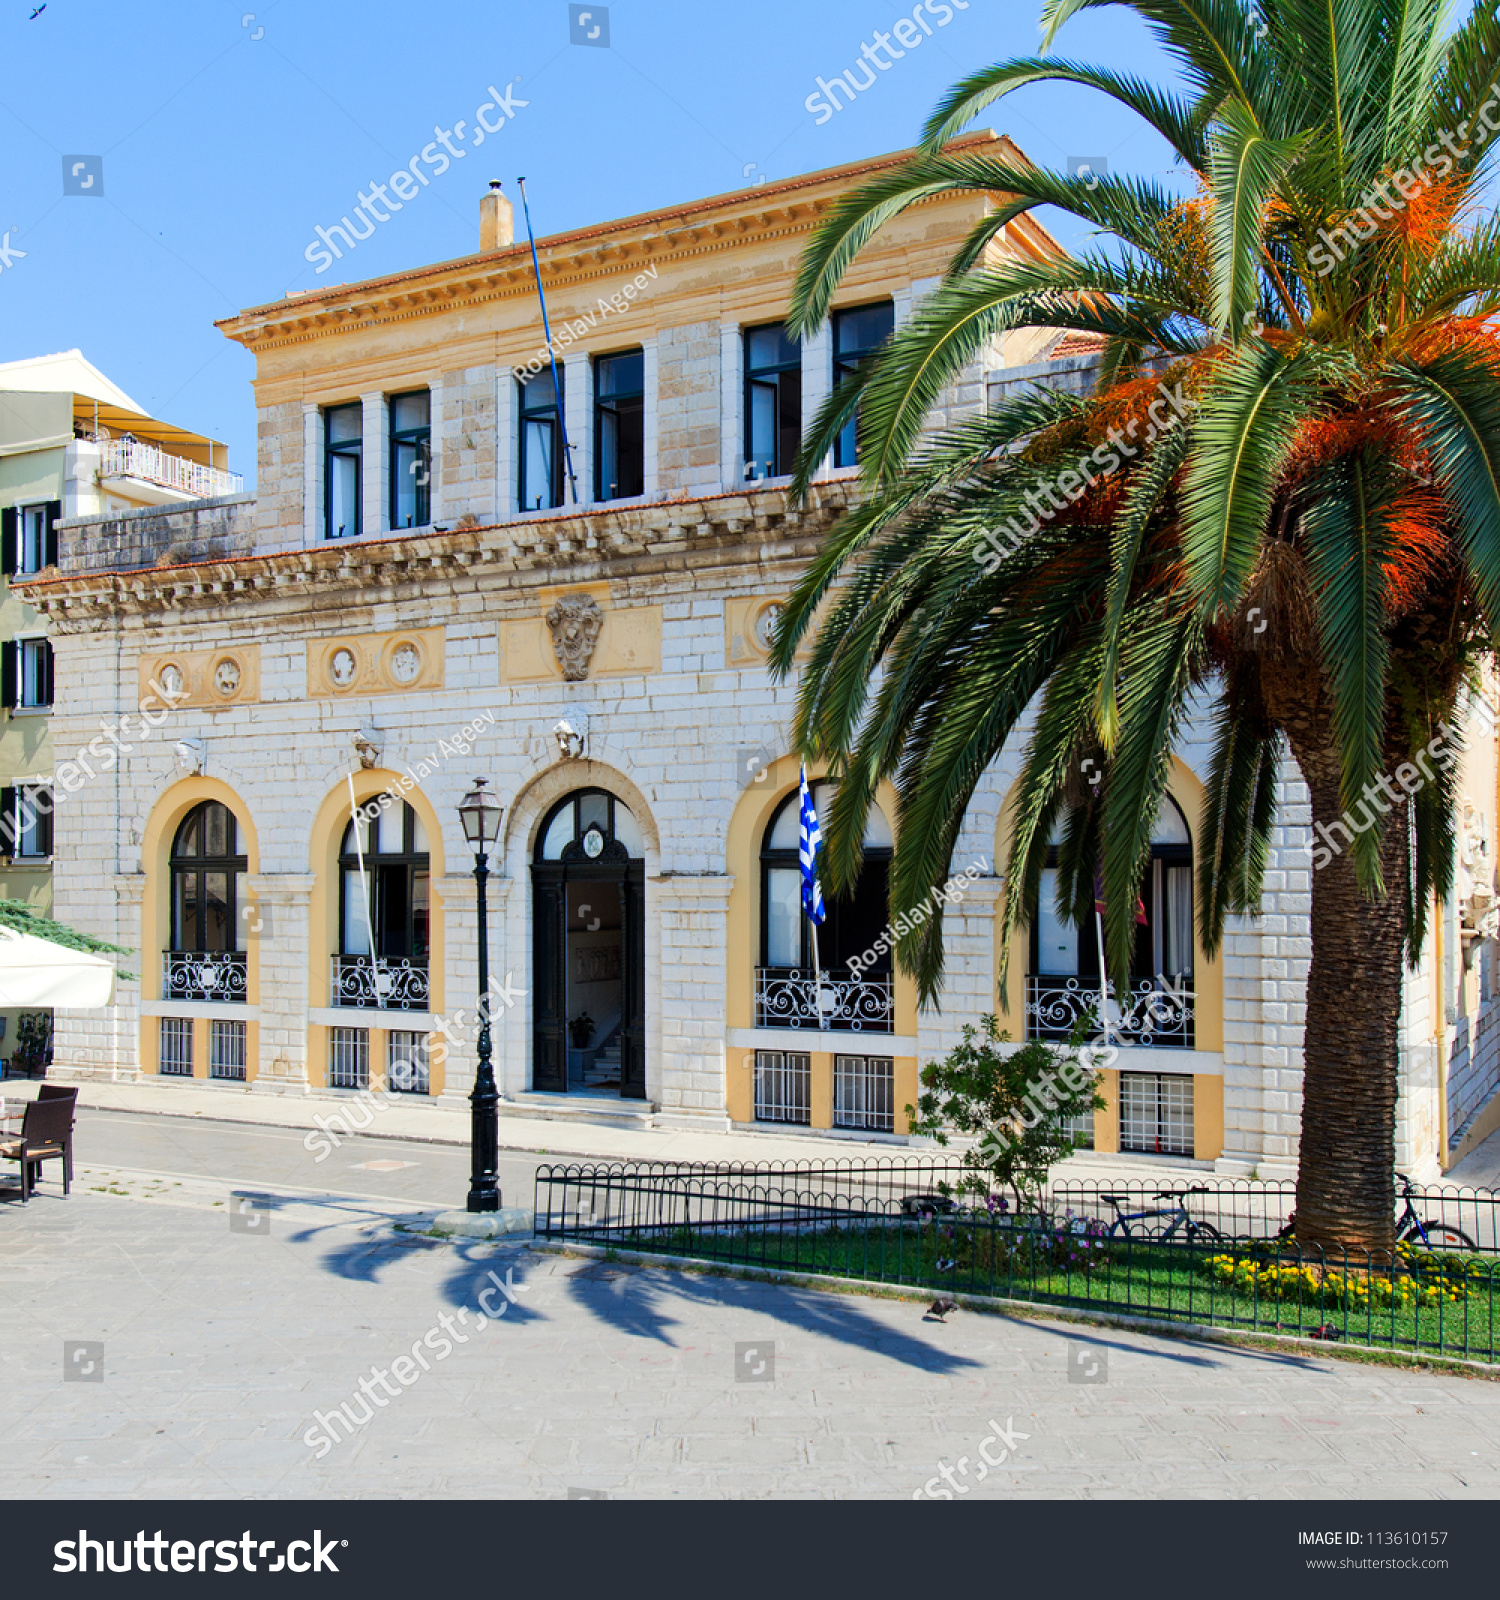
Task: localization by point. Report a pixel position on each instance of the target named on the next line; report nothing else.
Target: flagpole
(1103, 986)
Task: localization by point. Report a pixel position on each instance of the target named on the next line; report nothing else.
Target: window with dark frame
(26, 821)
(853, 923)
(620, 426)
(857, 334)
(773, 402)
(34, 674)
(395, 878)
(208, 866)
(411, 459)
(176, 1056)
(541, 452)
(343, 451)
(28, 537)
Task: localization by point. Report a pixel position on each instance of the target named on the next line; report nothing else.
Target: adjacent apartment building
(72, 444)
(456, 566)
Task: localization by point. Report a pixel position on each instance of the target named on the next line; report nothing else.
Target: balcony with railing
(787, 998)
(383, 983)
(217, 975)
(130, 458)
(1159, 1013)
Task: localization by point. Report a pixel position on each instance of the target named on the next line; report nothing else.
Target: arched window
(591, 825)
(208, 880)
(854, 923)
(383, 872)
(1064, 978)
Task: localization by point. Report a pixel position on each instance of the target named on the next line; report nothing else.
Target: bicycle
(1194, 1231)
(1410, 1228)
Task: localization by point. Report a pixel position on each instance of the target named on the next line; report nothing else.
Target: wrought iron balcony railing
(382, 984)
(787, 998)
(1159, 1013)
(203, 975)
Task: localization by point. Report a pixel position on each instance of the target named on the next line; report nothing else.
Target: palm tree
(1311, 559)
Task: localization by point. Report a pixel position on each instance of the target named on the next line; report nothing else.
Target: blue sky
(227, 136)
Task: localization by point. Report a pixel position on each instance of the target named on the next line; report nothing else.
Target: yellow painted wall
(156, 916)
(323, 914)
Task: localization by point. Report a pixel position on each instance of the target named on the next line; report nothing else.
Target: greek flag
(809, 843)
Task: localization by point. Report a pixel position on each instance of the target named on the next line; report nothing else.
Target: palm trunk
(1345, 1175)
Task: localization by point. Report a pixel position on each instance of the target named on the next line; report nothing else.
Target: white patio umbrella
(36, 972)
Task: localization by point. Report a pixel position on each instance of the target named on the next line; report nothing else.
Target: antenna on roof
(562, 425)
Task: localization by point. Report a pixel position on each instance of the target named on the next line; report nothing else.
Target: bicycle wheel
(1203, 1233)
(1440, 1237)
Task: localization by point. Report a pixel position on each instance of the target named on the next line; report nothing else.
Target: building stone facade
(645, 800)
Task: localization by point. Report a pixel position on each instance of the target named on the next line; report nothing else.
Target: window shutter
(8, 675)
(7, 821)
(46, 684)
(9, 519)
(43, 824)
(49, 555)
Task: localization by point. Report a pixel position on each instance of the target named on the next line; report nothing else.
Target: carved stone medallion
(575, 621)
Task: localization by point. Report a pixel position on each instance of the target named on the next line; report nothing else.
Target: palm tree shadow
(636, 1301)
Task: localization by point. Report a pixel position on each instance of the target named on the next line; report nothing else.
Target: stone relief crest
(575, 621)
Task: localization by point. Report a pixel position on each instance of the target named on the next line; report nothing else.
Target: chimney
(496, 223)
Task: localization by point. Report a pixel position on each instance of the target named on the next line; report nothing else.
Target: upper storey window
(773, 402)
(541, 441)
(411, 459)
(857, 334)
(343, 428)
(620, 426)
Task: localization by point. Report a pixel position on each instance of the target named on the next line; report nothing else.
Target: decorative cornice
(604, 540)
(679, 233)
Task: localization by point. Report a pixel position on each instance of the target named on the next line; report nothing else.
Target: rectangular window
(857, 334)
(541, 453)
(34, 677)
(29, 820)
(411, 459)
(773, 402)
(406, 1062)
(176, 1060)
(1080, 1130)
(226, 1050)
(620, 426)
(343, 448)
(348, 1058)
(1156, 1113)
(864, 1093)
(28, 536)
(783, 1087)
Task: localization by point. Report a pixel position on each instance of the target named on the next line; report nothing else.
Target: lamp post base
(485, 1224)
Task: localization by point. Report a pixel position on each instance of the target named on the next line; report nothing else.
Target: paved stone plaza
(222, 1337)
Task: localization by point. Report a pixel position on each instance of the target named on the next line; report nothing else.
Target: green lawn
(1257, 1286)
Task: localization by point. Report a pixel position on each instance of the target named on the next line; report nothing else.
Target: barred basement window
(864, 1093)
(406, 1062)
(348, 1058)
(176, 1059)
(1080, 1130)
(226, 1049)
(783, 1086)
(1156, 1113)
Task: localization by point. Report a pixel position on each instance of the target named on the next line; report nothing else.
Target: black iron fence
(1215, 1253)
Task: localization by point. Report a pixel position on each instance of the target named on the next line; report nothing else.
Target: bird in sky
(39, 10)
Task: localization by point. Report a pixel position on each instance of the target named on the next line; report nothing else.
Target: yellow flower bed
(1327, 1286)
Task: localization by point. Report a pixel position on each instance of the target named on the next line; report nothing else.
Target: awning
(36, 972)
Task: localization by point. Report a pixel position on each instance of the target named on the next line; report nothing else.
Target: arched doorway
(589, 949)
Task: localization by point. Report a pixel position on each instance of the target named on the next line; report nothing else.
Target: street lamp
(480, 813)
